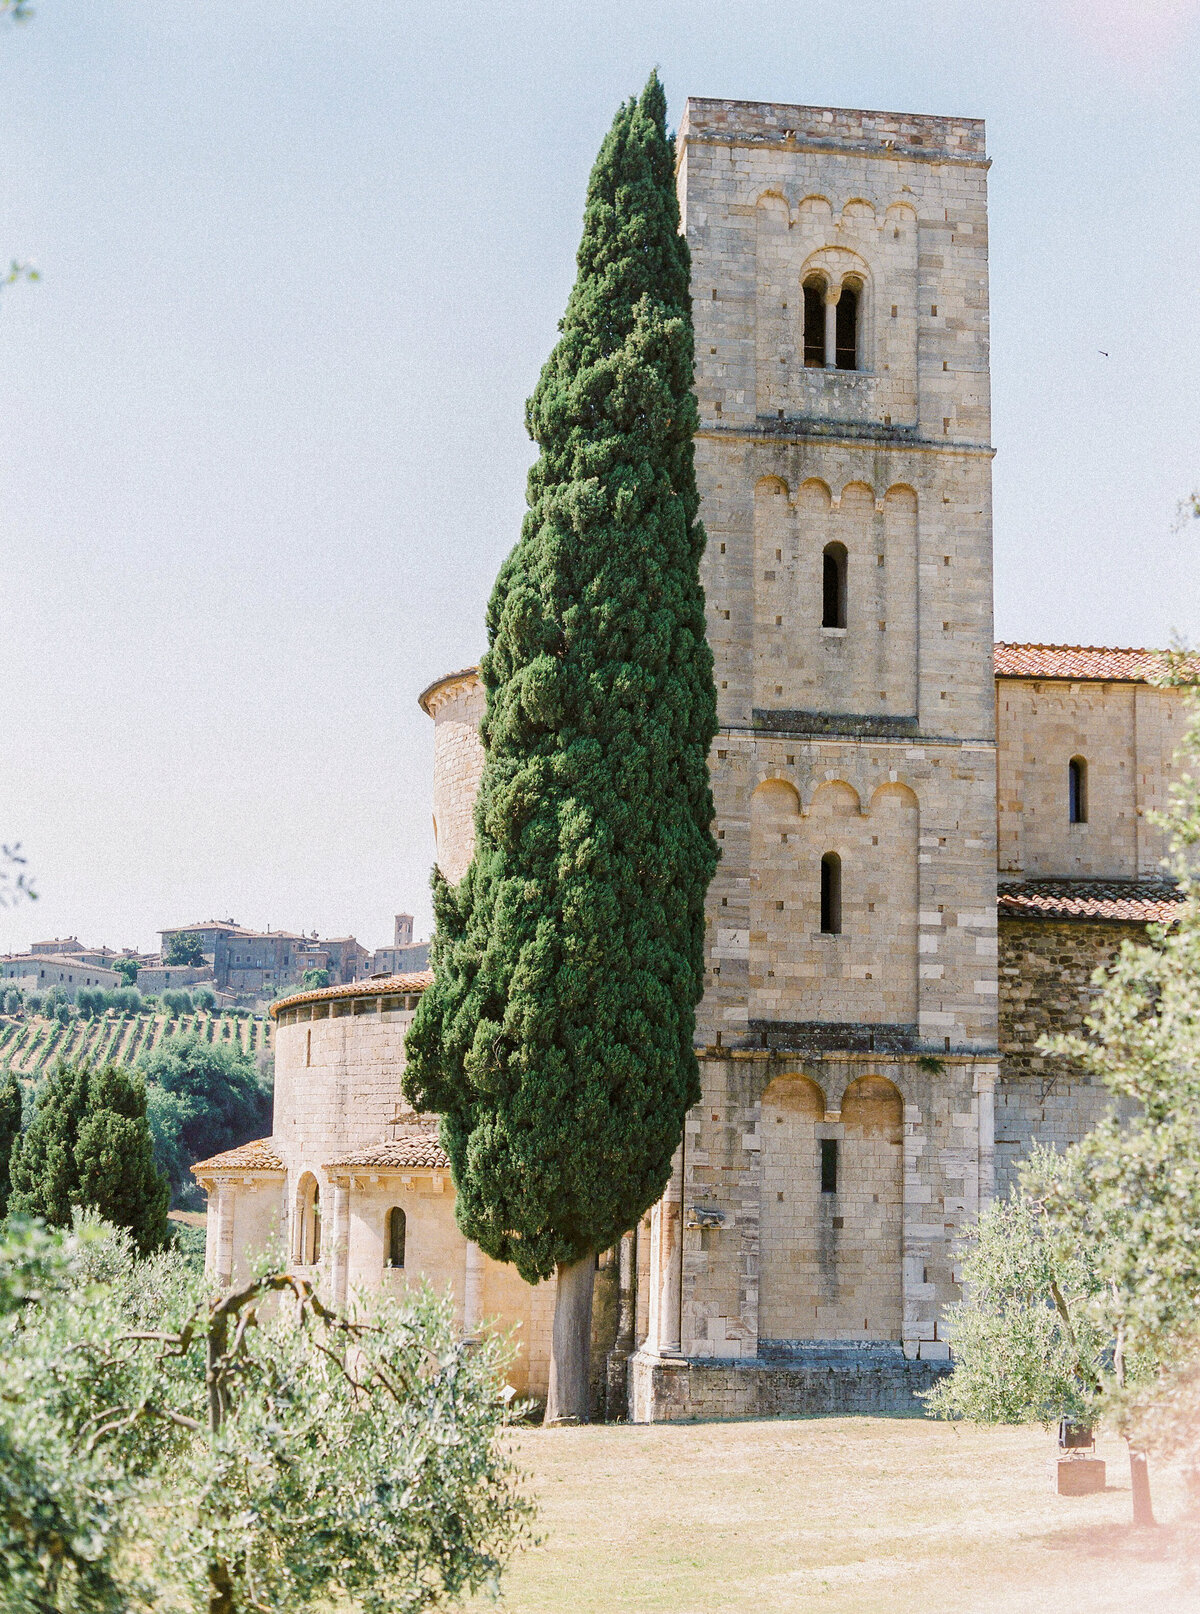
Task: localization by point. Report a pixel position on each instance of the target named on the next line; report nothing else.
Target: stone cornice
(892, 439)
(446, 688)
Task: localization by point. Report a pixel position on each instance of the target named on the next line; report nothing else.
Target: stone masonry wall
(337, 1079)
(1127, 733)
(456, 706)
(436, 1254)
(767, 1271)
(1045, 987)
(831, 1257)
(892, 460)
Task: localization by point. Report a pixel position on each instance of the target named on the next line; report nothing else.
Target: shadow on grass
(1177, 1543)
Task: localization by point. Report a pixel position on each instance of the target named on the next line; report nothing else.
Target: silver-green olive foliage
(556, 1039)
(165, 1449)
(1135, 1179)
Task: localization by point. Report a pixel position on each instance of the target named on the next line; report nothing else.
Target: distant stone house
(155, 978)
(261, 963)
(404, 956)
(38, 972)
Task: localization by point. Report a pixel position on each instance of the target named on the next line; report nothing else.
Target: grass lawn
(842, 1515)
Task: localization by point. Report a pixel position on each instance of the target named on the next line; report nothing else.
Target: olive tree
(165, 1448)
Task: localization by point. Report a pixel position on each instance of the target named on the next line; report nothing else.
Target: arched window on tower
(847, 328)
(814, 323)
(831, 894)
(397, 1227)
(833, 586)
(1077, 806)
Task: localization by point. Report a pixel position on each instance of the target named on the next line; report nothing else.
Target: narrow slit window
(847, 329)
(833, 586)
(831, 894)
(397, 1228)
(814, 325)
(1077, 790)
(829, 1165)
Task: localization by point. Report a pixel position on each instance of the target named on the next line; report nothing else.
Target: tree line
(90, 1003)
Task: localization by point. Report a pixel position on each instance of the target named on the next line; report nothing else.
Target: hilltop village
(221, 959)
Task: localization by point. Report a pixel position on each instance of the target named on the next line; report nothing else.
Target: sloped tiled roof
(260, 1155)
(414, 1149)
(1132, 901)
(375, 986)
(1077, 661)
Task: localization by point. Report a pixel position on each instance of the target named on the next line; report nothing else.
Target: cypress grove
(556, 1040)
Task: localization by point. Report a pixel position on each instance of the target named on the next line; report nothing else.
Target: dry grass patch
(844, 1515)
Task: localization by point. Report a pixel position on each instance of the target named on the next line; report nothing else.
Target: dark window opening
(1077, 790)
(831, 894)
(833, 587)
(847, 329)
(814, 325)
(397, 1225)
(829, 1165)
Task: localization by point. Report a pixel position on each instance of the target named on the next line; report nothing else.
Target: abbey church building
(900, 908)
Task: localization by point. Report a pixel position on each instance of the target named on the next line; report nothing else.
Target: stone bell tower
(848, 1031)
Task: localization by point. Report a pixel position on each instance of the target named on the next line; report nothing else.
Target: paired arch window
(831, 331)
(397, 1228)
(1077, 805)
(833, 586)
(831, 894)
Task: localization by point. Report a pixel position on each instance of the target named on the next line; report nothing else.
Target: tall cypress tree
(114, 1157)
(45, 1180)
(556, 1039)
(88, 1143)
(10, 1131)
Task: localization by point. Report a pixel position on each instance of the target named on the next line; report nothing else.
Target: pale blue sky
(263, 446)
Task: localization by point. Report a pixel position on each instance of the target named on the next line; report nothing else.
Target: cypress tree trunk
(569, 1400)
(556, 1040)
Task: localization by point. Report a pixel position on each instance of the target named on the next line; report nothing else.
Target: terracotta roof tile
(1078, 661)
(261, 1155)
(417, 1148)
(376, 986)
(1131, 901)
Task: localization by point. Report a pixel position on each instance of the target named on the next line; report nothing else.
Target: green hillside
(30, 1044)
